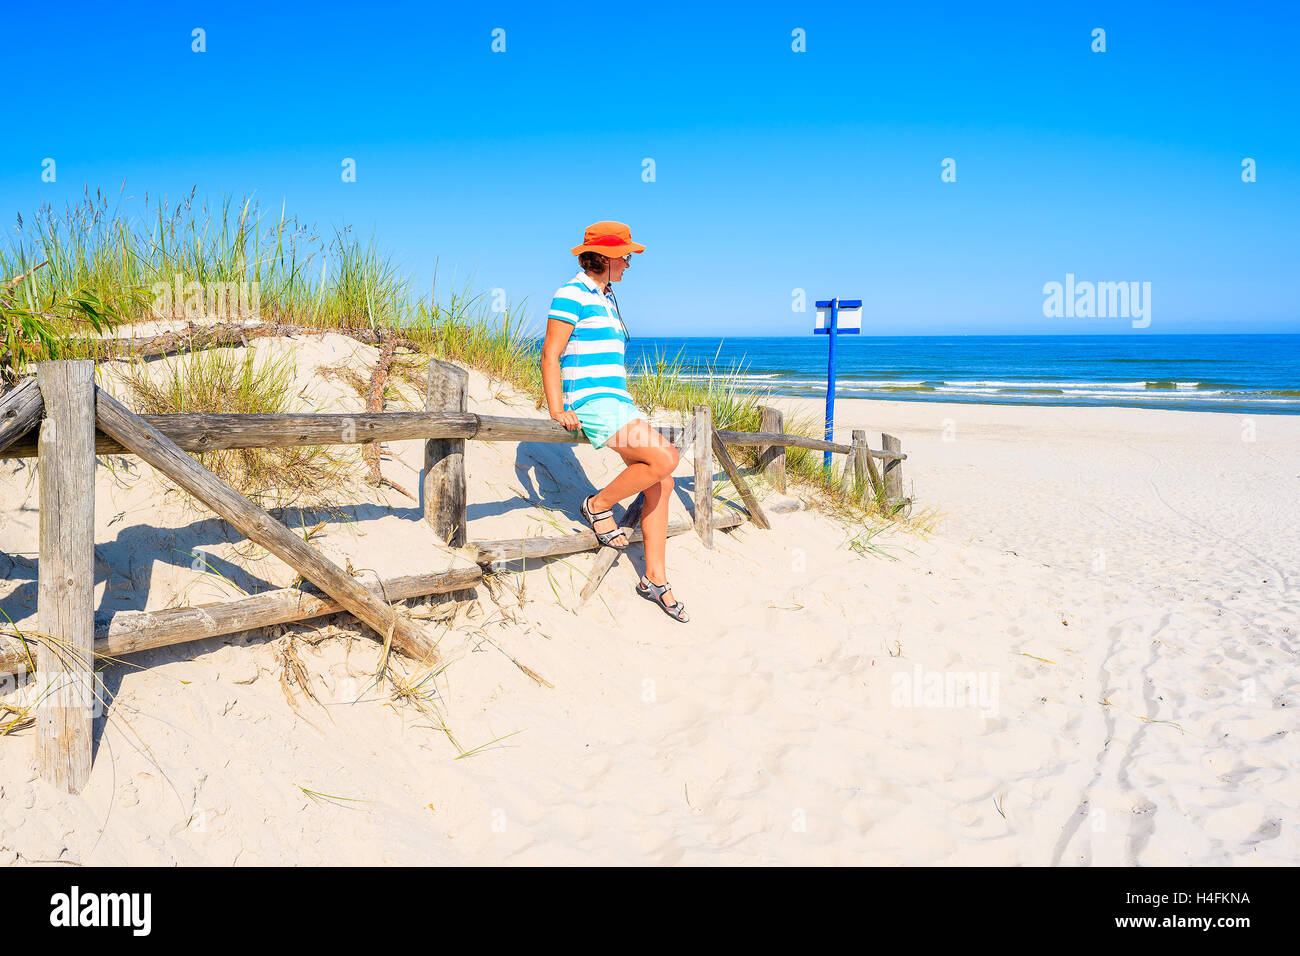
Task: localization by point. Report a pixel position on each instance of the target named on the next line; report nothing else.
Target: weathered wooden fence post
(893, 467)
(772, 460)
(66, 574)
(444, 458)
(867, 462)
(704, 474)
(851, 465)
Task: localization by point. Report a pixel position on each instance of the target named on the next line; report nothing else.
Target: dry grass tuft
(234, 381)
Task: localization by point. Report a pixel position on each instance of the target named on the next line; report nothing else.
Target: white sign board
(844, 320)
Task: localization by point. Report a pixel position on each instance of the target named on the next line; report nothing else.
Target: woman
(585, 378)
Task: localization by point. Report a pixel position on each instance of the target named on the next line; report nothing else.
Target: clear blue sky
(775, 170)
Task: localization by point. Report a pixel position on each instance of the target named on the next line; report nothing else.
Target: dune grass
(67, 278)
(112, 251)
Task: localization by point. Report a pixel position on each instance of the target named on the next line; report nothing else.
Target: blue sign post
(829, 323)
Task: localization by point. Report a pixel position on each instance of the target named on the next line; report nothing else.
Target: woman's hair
(593, 262)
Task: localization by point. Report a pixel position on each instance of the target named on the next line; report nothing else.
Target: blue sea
(1256, 374)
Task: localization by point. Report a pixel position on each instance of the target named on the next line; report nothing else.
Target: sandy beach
(1091, 658)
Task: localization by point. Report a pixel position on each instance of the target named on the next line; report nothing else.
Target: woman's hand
(567, 418)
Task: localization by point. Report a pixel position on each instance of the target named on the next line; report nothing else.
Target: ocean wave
(1153, 392)
(1034, 385)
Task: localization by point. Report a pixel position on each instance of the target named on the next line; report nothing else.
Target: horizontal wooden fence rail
(670, 432)
(20, 411)
(513, 549)
(204, 431)
(129, 632)
(210, 431)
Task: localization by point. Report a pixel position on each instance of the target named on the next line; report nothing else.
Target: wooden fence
(64, 420)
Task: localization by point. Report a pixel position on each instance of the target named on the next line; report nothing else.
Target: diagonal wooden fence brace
(867, 462)
(608, 554)
(142, 439)
(737, 479)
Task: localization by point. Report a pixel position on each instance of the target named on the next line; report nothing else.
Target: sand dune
(1091, 660)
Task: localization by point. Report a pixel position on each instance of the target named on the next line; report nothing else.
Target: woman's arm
(557, 337)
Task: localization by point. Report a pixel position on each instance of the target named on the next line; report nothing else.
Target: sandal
(655, 592)
(604, 537)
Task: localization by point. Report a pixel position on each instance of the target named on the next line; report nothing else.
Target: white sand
(1118, 582)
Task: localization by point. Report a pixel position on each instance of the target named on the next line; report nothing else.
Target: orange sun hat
(609, 239)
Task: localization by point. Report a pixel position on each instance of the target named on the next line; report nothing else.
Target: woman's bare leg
(654, 531)
(649, 458)
(651, 461)
(639, 475)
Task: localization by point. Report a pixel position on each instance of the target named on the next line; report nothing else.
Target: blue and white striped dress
(593, 362)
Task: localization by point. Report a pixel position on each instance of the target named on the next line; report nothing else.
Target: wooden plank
(863, 467)
(894, 467)
(214, 431)
(682, 438)
(20, 410)
(859, 459)
(791, 441)
(445, 496)
(608, 554)
(868, 464)
(850, 464)
(485, 553)
(702, 443)
(66, 574)
(158, 450)
(211, 431)
(129, 632)
(672, 433)
(733, 472)
(772, 459)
